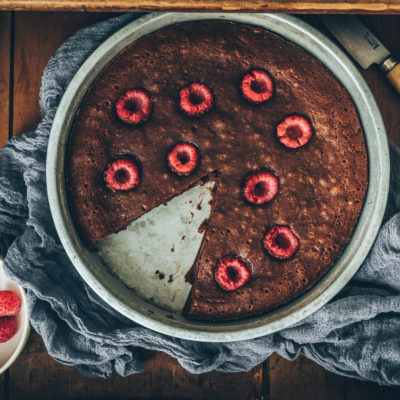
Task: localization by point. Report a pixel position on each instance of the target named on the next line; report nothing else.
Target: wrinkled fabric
(357, 334)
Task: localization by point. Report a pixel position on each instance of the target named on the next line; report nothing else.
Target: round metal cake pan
(114, 292)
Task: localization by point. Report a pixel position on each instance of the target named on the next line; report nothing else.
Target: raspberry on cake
(134, 106)
(195, 99)
(122, 174)
(294, 131)
(261, 187)
(257, 86)
(281, 242)
(183, 158)
(232, 273)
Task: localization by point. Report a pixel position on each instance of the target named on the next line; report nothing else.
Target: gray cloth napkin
(357, 334)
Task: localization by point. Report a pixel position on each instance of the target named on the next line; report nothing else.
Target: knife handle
(391, 68)
(394, 77)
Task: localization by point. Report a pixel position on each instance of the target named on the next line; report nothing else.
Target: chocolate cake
(240, 105)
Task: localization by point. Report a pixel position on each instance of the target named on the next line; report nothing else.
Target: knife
(363, 45)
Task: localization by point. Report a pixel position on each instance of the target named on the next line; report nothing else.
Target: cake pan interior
(137, 308)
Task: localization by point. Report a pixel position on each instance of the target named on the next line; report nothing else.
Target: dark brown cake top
(321, 184)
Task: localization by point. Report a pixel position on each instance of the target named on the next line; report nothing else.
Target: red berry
(134, 106)
(281, 242)
(257, 86)
(294, 131)
(195, 99)
(10, 303)
(122, 174)
(183, 158)
(8, 328)
(232, 273)
(261, 187)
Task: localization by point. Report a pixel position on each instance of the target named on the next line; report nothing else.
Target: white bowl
(9, 351)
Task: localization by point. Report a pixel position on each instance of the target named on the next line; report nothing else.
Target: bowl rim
(338, 275)
(26, 332)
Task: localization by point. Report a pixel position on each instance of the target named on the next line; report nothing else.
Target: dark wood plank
(5, 61)
(37, 37)
(359, 390)
(302, 379)
(35, 375)
(3, 387)
(5, 47)
(298, 6)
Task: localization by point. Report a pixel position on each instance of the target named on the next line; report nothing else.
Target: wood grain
(394, 77)
(294, 6)
(298, 379)
(5, 63)
(5, 60)
(37, 37)
(3, 388)
(35, 375)
(305, 380)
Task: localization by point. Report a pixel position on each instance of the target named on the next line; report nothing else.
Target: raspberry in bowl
(14, 321)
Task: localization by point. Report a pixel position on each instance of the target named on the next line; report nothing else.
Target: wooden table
(293, 6)
(27, 41)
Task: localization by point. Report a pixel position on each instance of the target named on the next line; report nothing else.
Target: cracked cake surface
(318, 176)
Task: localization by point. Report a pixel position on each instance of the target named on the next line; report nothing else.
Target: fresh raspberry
(257, 86)
(8, 328)
(10, 303)
(122, 174)
(134, 106)
(281, 242)
(261, 187)
(294, 131)
(232, 273)
(183, 158)
(195, 99)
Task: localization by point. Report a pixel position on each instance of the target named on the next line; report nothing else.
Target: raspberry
(257, 86)
(281, 242)
(122, 174)
(294, 131)
(261, 187)
(10, 303)
(8, 328)
(232, 273)
(195, 99)
(134, 106)
(183, 158)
